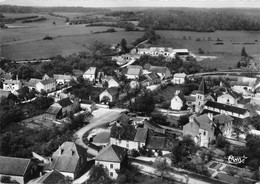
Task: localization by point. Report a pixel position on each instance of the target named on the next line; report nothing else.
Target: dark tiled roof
(153, 76)
(204, 122)
(48, 81)
(123, 118)
(50, 178)
(95, 147)
(225, 107)
(222, 119)
(158, 69)
(203, 87)
(155, 142)
(32, 82)
(53, 109)
(153, 126)
(111, 153)
(142, 78)
(141, 135)
(112, 91)
(65, 102)
(13, 166)
(245, 101)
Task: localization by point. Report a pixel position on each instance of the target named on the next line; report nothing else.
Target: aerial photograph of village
(130, 91)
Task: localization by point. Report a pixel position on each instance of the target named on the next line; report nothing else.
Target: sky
(138, 3)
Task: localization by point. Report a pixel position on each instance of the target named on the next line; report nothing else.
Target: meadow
(27, 43)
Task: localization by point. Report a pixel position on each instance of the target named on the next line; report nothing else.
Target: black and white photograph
(129, 91)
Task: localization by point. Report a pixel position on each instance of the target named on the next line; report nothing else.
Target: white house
(224, 123)
(229, 97)
(111, 157)
(46, 85)
(12, 85)
(62, 79)
(137, 142)
(109, 95)
(32, 83)
(177, 101)
(179, 78)
(133, 71)
(90, 74)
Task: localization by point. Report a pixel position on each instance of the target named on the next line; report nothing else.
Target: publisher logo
(236, 159)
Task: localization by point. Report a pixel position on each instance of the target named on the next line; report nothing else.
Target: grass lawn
(239, 172)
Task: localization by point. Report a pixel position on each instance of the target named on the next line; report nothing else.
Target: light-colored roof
(12, 81)
(62, 77)
(111, 153)
(133, 71)
(66, 157)
(180, 75)
(158, 69)
(204, 122)
(141, 135)
(90, 71)
(32, 82)
(13, 166)
(180, 50)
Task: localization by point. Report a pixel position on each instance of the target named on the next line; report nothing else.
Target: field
(227, 54)
(27, 43)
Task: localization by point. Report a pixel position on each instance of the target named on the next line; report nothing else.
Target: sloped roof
(180, 75)
(90, 71)
(142, 78)
(112, 91)
(190, 98)
(32, 82)
(153, 76)
(123, 118)
(111, 153)
(222, 119)
(158, 69)
(65, 102)
(49, 178)
(134, 71)
(53, 109)
(226, 107)
(204, 122)
(155, 142)
(48, 81)
(147, 66)
(233, 93)
(141, 135)
(13, 166)
(62, 77)
(12, 81)
(66, 157)
(203, 88)
(4, 93)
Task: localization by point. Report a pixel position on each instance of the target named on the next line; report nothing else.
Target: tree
(221, 142)
(238, 64)
(183, 120)
(98, 174)
(201, 51)
(243, 52)
(144, 103)
(76, 105)
(162, 166)
(159, 118)
(123, 45)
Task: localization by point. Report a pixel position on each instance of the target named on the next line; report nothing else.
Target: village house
(45, 77)
(163, 72)
(153, 127)
(32, 83)
(109, 95)
(178, 101)
(179, 78)
(160, 144)
(49, 178)
(133, 71)
(59, 109)
(112, 82)
(150, 79)
(201, 129)
(224, 125)
(12, 85)
(18, 169)
(229, 97)
(132, 141)
(63, 79)
(90, 74)
(113, 158)
(48, 85)
(69, 159)
(219, 108)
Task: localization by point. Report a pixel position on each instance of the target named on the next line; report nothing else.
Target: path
(100, 117)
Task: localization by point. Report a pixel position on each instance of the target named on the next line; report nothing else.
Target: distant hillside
(27, 9)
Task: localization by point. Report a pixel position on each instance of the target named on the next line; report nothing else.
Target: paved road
(100, 117)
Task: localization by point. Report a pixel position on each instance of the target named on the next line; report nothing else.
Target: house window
(127, 144)
(111, 174)
(204, 132)
(111, 166)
